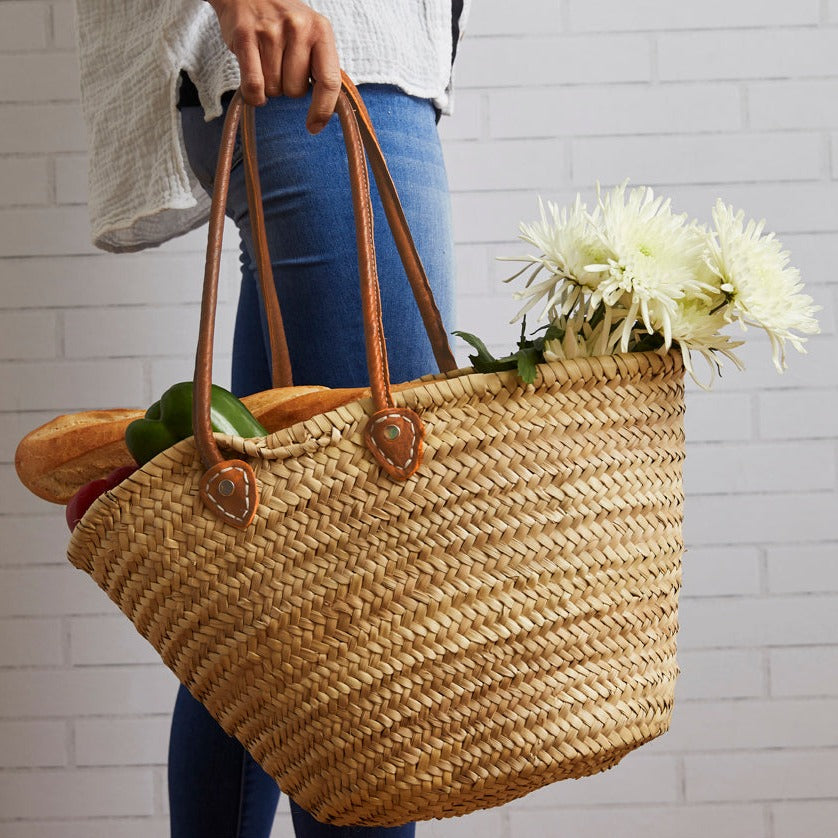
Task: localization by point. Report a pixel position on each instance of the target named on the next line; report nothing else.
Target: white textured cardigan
(142, 191)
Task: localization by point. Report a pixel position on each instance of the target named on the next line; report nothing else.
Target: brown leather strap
(202, 394)
(401, 233)
(370, 297)
(400, 459)
(281, 375)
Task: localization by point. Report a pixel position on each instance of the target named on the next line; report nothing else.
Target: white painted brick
(814, 819)
(64, 25)
(721, 571)
(711, 468)
(107, 279)
(17, 499)
(749, 519)
(486, 824)
(511, 164)
(779, 105)
(756, 54)
(541, 17)
(104, 640)
(719, 673)
(712, 158)
(475, 267)
(101, 742)
(50, 590)
(751, 725)
(466, 120)
(637, 779)
(500, 62)
(41, 128)
(28, 335)
(88, 691)
(678, 821)
(815, 256)
(76, 793)
(769, 621)
(816, 368)
(804, 671)
(31, 744)
(31, 642)
(761, 775)
(45, 77)
(89, 828)
(488, 318)
(34, 540)
(718, 417)
(495, 216)
(24, 180)
(789, 208)
(137, 331)
(614, 110)
(23, 26)
(56, 231)
(808, 569)
(71, 179)
(68, 386)
(611, 15)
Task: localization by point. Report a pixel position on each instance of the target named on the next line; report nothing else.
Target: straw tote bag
(425, 602)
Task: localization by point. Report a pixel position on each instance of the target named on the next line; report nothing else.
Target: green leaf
(483, 354)
(527, 361)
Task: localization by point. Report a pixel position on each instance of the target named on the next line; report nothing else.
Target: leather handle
(415, 271)
(401, 233)
(394, 435)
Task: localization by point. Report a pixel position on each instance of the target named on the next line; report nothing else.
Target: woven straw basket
(398, 648)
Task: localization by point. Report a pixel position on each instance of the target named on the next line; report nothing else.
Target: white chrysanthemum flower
(696, 326)
(568, 242)
(763, 289)
(654, 261)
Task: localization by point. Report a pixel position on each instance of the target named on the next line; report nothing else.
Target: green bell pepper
(170, 420)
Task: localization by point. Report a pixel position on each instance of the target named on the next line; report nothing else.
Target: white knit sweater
(142, 191)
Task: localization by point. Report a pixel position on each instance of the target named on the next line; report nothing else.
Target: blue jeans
(216, 789)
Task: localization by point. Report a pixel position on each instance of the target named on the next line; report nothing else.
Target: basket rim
(323, 428)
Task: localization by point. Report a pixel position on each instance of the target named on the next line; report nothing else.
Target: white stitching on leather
(378, 448)
(218, 504)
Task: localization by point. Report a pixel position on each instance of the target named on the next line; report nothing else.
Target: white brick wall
(737, 98)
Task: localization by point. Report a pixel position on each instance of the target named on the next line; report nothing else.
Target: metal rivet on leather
(394, 435)
(230, 490)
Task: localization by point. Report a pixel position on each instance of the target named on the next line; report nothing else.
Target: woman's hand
(280, 45)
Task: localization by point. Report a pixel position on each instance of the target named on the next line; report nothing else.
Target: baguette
(58, 458)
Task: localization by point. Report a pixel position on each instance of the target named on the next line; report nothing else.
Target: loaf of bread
(55, 460)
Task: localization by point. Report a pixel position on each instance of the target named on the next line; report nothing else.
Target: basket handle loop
(393, 434)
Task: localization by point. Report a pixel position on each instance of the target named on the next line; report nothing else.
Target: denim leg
(215, 787)
(305, 826)
(311, 238)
